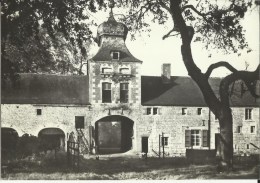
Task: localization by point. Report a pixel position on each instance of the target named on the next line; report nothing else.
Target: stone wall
(169, 120)
(173, 124)
(24, 119)
(242, 140)
(97, 78)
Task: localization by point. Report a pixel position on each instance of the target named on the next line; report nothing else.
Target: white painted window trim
(248, 108)
(126, 68)
(185, 109)
(115, 52)
(152, 108)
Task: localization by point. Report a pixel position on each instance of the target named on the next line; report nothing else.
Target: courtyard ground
(124, 166)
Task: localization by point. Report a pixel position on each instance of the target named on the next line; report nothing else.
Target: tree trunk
(218, 107)
(226, 138)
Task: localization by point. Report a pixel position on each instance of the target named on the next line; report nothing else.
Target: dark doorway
(145, 144)
(9, 139)
(52, 138)
(217, 144)
(113, 134)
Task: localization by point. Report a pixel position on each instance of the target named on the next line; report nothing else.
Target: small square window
(39, 112)
(148, 111)
(252, 129)
(115, 55)
(184, 111)
(164, 141)
(239, 129)
(79, 122)
(155, 110)
(199, 111)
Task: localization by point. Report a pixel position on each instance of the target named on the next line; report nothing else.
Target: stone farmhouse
(117, 109)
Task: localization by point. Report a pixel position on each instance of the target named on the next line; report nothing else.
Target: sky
(154, 51)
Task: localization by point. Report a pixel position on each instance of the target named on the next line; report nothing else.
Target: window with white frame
(106, 70)
(195, 138)
(248, 113)
(124, 71)
(152, 111)
(115, 55)
(184, 111)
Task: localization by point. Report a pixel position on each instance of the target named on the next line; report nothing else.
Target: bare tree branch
(165, 6)
(248, 77)
(195, 10)
(217, 65)
(169, 34)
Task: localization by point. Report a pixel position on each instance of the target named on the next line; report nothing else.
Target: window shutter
(187, 138)
(205, 138)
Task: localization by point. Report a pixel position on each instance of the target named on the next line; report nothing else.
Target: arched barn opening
(9, 139)
(51, 138)
(113, 134)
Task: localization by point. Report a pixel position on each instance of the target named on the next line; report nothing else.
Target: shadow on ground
(125, 166)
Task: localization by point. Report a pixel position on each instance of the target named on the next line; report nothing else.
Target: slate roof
(113, 36)
(46, 89)
(183, 91)
(111, 27)
(104, 52)
(74, 90)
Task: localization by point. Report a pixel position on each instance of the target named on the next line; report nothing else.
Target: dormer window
(115, 55)
(106, 70)
(124, 71)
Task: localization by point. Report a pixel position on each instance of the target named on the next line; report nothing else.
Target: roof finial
(111, 5)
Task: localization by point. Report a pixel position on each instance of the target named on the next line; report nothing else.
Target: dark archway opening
(113, 134)
(9, 139)
(51, 138)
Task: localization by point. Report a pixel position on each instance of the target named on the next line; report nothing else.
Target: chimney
(166, 73)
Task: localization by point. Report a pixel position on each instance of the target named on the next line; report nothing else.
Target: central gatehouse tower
(115, 90)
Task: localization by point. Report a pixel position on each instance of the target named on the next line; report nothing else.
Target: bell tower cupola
(111, 36)
(111, 27)
(114, 72)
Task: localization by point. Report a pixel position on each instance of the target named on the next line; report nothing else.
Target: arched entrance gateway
(52, 138)
(113, 134)
(9, 139)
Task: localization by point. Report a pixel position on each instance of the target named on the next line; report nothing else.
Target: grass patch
(124, 167)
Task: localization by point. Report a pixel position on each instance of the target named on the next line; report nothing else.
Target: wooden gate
(73, 151)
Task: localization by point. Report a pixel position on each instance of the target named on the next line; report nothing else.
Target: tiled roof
(46, 89)
(183, 91)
